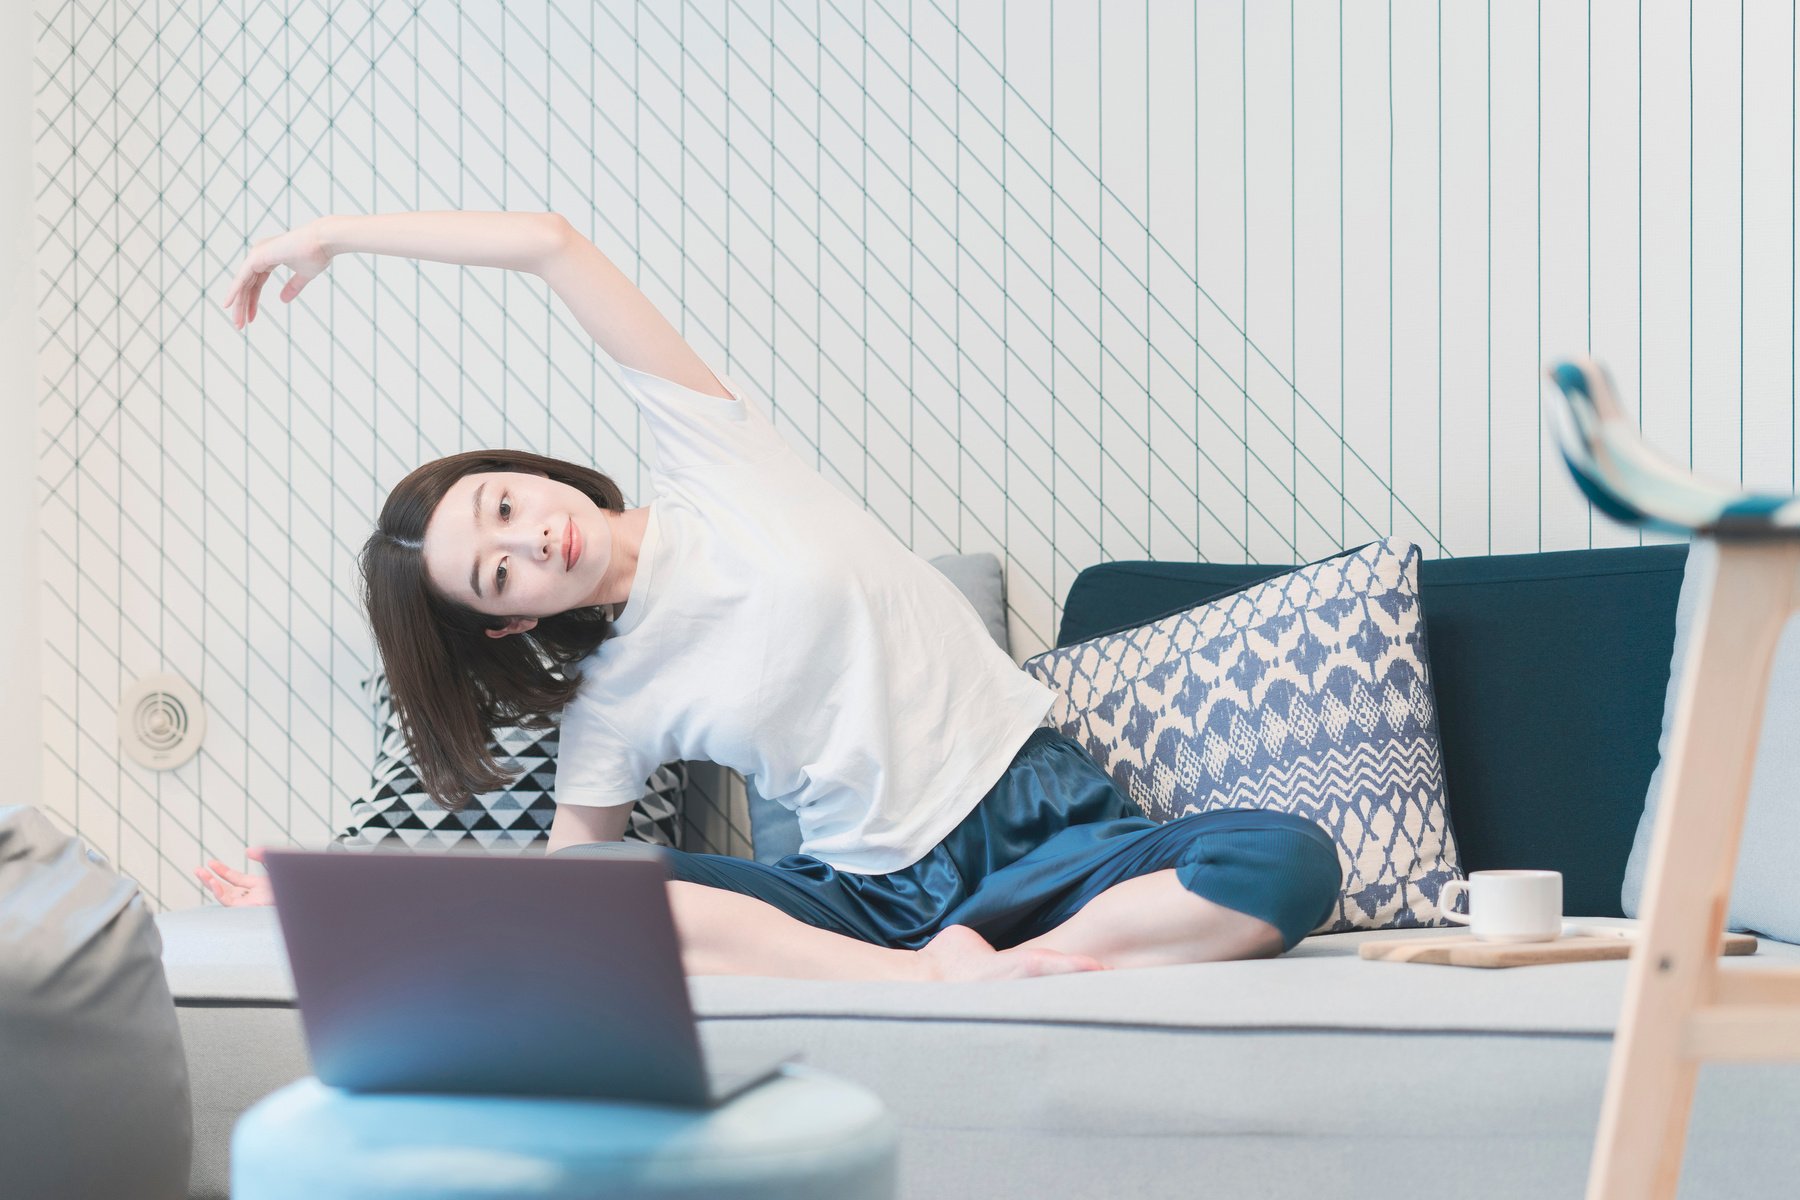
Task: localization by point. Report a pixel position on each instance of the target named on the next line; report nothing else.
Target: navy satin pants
(1052, 834)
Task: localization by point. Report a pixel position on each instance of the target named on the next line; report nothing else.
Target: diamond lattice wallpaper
(1066, 281)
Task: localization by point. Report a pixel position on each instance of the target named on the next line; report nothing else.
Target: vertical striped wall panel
(1069, 281)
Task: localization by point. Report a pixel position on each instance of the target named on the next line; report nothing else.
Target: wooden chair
(1682, 1006)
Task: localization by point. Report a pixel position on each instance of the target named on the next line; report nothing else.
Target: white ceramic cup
(1508, 906)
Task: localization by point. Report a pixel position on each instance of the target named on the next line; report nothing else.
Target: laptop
(501, 974)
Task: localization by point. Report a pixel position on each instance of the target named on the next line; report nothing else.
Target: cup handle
(1447, 901)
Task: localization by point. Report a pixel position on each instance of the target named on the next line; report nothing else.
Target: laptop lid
(441, 972)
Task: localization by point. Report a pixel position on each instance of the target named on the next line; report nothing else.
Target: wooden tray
(1462, 950)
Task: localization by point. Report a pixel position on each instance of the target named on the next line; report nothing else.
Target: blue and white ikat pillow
(1309, 693)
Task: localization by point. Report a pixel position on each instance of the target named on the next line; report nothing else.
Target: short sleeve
(595, 765)
(691, 428)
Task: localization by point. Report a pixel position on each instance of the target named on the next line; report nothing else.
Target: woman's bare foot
(959, 954)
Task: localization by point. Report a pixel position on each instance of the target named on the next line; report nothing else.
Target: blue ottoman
(804, 1135)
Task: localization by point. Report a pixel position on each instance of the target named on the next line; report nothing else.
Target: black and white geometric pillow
(395, 812)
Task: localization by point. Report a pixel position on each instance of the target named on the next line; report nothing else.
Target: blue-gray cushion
(1765, 890)
(1306, 693)
(774, 829)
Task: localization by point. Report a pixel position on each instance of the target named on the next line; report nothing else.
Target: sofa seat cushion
(219, 954)
(235, 955)
(1322, 983)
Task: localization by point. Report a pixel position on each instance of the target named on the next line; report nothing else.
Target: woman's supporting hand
(235, 888)
(301, 250)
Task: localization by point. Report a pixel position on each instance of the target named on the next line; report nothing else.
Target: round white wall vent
(161, 721)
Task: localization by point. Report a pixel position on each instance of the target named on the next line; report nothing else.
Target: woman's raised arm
(618, 316)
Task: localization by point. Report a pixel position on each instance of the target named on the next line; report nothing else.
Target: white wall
(20, 676)
(1067, 282)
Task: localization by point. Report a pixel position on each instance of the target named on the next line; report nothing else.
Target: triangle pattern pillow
(395, 812)
(1309, 693)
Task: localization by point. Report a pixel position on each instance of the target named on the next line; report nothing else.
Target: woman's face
(501, 542)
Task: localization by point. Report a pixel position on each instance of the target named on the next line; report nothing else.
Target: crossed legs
(1114, 893)
(1148, 921)
(725, 933)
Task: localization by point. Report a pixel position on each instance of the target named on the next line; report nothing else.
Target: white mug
(1508, 906)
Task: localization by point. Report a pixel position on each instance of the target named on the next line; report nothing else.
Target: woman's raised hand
(301, 250)
(236, 888)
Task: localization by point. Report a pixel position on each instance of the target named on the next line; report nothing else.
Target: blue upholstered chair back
(1549, 670)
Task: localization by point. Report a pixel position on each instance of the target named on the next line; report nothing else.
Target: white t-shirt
(777, 628)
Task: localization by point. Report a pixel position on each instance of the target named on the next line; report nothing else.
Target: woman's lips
(571, 544)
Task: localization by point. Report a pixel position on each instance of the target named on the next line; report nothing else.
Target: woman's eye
(505, 507)
(499, 578)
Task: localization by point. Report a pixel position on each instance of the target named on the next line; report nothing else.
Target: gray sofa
(1316, 1074)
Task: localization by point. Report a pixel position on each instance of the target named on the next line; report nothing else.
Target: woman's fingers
(299, 250)
(241, 300)
(245, 273)
(247, 303)
(240, 878)
(221, 890)
(231, 887)
(245, 310)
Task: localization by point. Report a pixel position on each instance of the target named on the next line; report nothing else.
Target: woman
(751, 614)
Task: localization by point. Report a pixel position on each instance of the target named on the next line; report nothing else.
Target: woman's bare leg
(727, 933)
(1153, 921)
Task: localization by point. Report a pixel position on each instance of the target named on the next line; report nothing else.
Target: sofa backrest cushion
(1549, 672)
(1765, 887)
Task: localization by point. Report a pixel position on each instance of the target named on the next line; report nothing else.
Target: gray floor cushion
(1317, 1073)
(93, 1077)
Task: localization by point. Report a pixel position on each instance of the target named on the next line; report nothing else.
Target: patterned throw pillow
(395, 812)
(1307, 693)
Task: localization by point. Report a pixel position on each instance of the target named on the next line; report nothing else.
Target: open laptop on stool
(446, 972)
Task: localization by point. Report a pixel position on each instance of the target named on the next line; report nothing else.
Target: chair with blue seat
(1681, 1007)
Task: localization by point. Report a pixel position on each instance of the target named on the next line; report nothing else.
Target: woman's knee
(1298, 875)
(1314, 878)
(1320, 869)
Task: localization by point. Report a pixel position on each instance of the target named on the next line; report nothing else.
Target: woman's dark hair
(452, 684)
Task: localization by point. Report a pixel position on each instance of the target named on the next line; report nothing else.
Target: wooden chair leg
(1687, 891)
